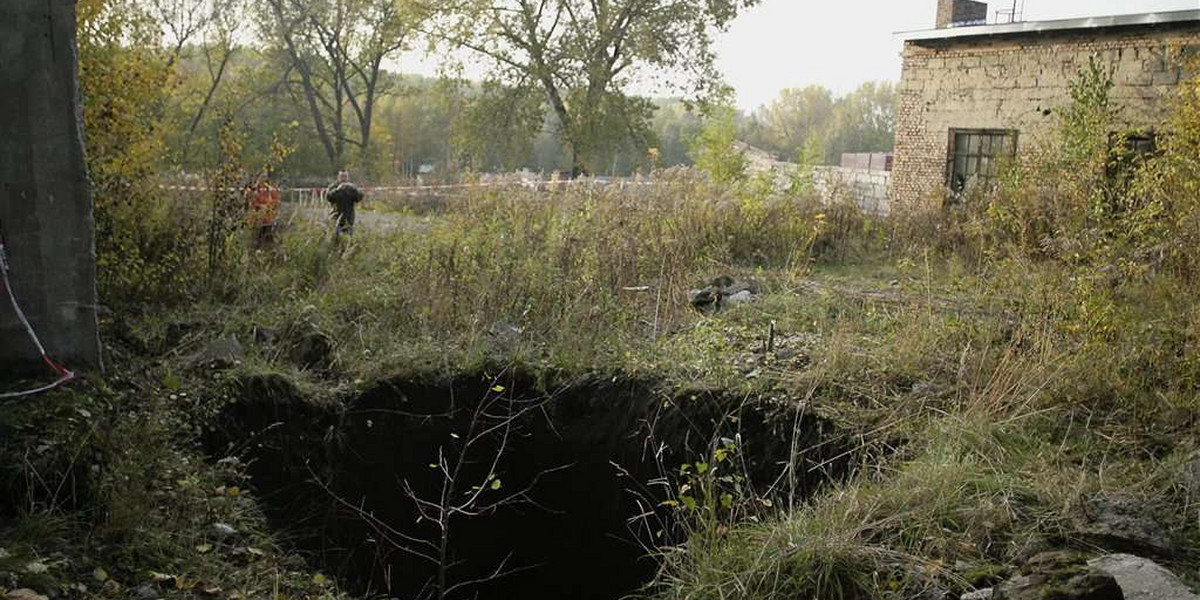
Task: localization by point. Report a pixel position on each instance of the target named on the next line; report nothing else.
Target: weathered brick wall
(1019, 82)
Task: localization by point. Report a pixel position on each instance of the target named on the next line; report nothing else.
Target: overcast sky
(841, 43)
(836, 43)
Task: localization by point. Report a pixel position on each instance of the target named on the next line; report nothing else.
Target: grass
(577, 277)
(106, 496)
(991, 365)
(976, 485)
(982, 398)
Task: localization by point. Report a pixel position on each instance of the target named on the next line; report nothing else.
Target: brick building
(973, 93)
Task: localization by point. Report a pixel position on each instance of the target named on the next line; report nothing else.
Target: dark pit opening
(355, 487)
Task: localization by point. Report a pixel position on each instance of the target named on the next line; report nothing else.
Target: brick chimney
(957, 13)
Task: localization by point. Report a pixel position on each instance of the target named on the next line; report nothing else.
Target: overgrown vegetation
(1075, 380)
(994, 363)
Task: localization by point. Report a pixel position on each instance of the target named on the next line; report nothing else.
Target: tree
(333, 53)
(201, 41)
(581, 57)
(795, 116)
(674, 127)
(863, 121)
(181, 21)
(493, 129)
(716, 149)
(414, 125)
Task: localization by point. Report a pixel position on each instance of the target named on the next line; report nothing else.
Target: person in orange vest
(262, 200)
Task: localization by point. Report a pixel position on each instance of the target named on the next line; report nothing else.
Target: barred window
(1141, 144)
(1126, 153)
(975, 155)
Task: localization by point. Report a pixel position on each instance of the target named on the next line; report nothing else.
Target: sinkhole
(502, 487)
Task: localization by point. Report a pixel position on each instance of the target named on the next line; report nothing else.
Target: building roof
(1036, 27)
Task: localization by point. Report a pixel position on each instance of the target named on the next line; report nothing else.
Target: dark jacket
(344, 196)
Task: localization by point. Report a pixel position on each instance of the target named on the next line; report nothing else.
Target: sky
(842, 43)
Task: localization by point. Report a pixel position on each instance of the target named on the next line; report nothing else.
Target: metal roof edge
(1129, 20)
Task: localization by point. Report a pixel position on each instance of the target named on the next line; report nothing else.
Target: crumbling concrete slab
(45, 202)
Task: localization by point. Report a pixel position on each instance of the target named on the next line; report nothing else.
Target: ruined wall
(867, 187)
(1019, 82)
(45, 205)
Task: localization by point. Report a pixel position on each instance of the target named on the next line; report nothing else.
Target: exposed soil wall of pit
(578, 463)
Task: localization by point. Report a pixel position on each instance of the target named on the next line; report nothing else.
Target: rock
(722, 281)
(981, 575)
(1058, 576)
(724, 292)
(741, 297)
(221, 353)
(24, 594)
(146, 592)
(984, 594)
(1190, 476)
(706, 300)
(1142, 579)
(1121, 524)
(755, 288)
(265, 336)
(505, 333)
(224, 529)
(315, 351)
(1082, 586)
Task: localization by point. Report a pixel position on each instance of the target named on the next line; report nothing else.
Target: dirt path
(365, 218)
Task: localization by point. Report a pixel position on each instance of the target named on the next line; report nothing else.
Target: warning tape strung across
(64, 374)
(419, 189)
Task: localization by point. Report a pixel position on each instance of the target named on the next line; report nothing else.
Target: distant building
(973, 93)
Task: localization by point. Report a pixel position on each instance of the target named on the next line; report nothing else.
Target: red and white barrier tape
(64, 374)
(417, 189)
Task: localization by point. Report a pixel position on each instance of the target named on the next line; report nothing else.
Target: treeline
(310, 87)
(813, 118)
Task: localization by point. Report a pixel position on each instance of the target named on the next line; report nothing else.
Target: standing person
(343, 195)
(262, 201)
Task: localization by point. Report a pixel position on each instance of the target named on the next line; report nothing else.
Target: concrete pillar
(45, 200)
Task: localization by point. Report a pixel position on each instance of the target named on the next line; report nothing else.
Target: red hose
(64, 374)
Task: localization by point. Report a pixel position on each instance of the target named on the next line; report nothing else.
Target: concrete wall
(1019, 82)
(868, 188)
(877, 161)
(45, 205)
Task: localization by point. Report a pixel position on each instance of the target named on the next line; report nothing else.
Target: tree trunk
(208, 97)
(45, 198)
(310, 92)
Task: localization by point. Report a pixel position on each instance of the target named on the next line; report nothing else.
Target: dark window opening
(975, 156)
(1129, 148)
(1127, 151)
(1142, 144)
